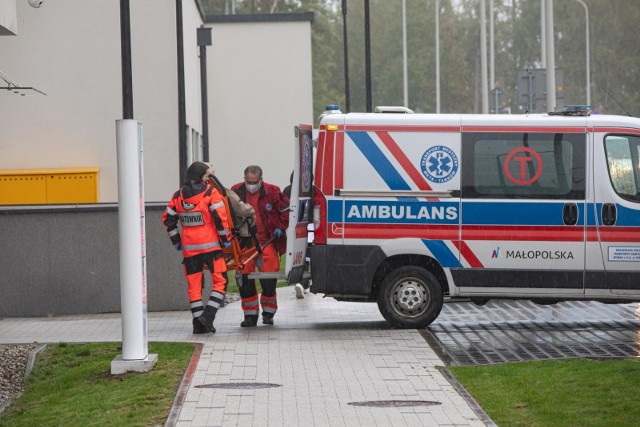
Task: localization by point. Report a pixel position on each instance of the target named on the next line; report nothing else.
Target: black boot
(206, 320)
(198, 328)
(249, 321)
(267, 318)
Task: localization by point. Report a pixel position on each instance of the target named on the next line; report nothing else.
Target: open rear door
(301, 207)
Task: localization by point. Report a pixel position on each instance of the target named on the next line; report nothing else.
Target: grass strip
(576, 392)
(71, 385)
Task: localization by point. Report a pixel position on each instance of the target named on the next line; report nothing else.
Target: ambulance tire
(410, 297)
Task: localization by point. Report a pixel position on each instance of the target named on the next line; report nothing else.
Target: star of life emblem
(439, 164)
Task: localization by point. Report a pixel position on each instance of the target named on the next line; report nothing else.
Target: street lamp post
(551, 60)
(131, 219)
(483, 57)
(347, 97)
(404, 53)
(588, 66)
(492, 51)
(367, 57)
(437, 56)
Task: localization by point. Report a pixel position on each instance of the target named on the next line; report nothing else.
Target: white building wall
(154, 61)
(61, 50)
(259, 84)
(192, 21)
(8, 18)
(259, 87)
(71, 51)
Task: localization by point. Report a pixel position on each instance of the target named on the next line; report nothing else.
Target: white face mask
(253, 188)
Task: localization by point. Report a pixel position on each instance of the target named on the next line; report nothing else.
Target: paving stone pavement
(321, 355)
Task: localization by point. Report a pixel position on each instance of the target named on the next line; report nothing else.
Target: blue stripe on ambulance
(442, 253)
(392, 212)
(625, 217)
(521, 213)
(379, 161)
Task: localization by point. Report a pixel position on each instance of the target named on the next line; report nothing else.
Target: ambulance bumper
(345, 271)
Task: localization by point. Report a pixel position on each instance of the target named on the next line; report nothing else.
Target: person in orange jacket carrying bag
(197, 223)
(272, 218)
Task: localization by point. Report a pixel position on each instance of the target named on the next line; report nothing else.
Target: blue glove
(278, 233)
(178, 246)
(226, 244)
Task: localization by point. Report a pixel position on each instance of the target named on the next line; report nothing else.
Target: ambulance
(410, 209)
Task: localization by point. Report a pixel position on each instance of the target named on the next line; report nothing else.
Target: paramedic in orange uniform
(196, 220)
(272, 218)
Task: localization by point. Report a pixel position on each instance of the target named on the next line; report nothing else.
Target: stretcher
(242, 250)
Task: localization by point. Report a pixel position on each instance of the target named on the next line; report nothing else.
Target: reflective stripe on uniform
(269, 304)
(215, 299)
(250, 305)
(218, 295)
(171, 211)
(197, 308)
(223, 232)
(216, 206)
(173, 232)
(202, 246)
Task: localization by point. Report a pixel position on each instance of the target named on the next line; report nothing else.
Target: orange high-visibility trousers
(248, 291)
(193, 270)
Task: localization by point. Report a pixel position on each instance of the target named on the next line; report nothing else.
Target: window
(523, 165)
(623, 161)
(196, 149)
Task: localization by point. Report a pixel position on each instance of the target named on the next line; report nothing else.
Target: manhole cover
(239, 385)
(394, 403)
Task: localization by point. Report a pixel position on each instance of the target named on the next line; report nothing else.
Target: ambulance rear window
(517, 165)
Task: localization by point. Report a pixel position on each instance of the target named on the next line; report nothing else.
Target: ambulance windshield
(623, 159)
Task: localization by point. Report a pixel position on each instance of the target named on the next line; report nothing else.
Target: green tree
(614, 50)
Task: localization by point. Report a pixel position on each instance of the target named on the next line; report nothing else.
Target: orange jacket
(202, 216)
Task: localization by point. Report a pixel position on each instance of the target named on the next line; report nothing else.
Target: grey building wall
(64, 260)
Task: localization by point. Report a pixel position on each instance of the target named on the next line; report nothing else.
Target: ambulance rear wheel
(410, 297)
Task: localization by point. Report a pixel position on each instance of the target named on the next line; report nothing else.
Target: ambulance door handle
(570, 214)
(608, 214)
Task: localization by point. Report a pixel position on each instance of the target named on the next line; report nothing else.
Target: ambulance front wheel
(410, 297)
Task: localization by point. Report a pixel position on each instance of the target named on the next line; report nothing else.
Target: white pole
(543, 36)
(404, 53)
(551, 61)
(133, 292)
(588, 66)
(483, 56)
(492, 53)
(437, 56)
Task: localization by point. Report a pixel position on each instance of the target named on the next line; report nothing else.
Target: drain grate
(394, 403)
(242, 386)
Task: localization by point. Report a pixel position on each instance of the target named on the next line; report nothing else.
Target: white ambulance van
(413, 208)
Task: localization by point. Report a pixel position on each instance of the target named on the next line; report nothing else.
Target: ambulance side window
(623, 162)
(523, 165)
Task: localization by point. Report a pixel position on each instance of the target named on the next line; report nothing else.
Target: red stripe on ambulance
(404, 161)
